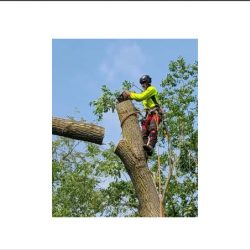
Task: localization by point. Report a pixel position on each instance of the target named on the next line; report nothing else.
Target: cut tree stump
(130, 151)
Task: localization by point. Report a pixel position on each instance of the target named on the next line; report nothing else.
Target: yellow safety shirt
(146, 97)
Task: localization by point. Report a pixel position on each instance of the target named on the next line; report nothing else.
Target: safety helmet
(145, 78)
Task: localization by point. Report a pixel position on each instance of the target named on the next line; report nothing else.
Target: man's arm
(144, 95)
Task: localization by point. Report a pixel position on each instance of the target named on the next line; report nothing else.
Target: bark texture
(130, 151)
(78, 130)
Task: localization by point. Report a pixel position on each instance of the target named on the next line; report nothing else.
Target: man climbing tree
(78, 174)
(152, 118)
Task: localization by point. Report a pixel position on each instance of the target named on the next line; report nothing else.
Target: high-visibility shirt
(146, 97)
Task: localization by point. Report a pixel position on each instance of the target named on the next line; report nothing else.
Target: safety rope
(159, 170)
(135, 112)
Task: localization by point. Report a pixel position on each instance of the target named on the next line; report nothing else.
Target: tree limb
(78, 130)
(171, 167)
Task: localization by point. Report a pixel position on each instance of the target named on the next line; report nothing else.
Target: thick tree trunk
(130, 150)
(78, 130)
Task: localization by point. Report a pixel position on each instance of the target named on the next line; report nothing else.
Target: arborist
(150, 123)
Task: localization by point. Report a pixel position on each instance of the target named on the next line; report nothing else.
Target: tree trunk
(130, 151)
(78, 130)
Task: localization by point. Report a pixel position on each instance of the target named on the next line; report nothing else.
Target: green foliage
(126, 85)
(73, 188)
(186, 163)
(79, 175)
(120, 199)
(179, 99)
(89, 181)
(107, 102)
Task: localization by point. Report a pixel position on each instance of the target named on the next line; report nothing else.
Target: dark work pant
(149, 129)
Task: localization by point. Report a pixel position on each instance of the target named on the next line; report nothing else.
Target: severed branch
(78, 130)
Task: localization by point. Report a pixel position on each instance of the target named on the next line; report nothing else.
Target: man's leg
(145, 134)
(152, 135)
(145, 129)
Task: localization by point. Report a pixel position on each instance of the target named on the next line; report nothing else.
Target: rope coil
(135, 112)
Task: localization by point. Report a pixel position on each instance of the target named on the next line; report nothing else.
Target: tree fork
(130, 151)
(78, 130)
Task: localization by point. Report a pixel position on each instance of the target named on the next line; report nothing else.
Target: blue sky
(81, 66)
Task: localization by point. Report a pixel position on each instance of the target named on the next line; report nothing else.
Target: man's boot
(148, 149)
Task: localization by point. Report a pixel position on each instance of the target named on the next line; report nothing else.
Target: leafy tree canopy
(89, 181)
